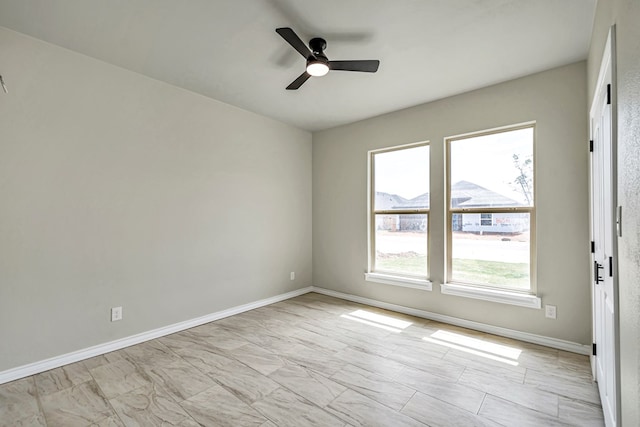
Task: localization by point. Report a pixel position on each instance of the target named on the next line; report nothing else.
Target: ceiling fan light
(317, 68)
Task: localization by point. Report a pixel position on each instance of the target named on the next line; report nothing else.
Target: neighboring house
(464, 195)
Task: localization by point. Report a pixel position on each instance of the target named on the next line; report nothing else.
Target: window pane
(493, 170)
(495, 253)
(401, 179)
(401, 244)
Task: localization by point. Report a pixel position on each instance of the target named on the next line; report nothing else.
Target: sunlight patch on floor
(497, 352)
(381, 321)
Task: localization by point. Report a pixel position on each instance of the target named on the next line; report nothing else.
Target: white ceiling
(228, 49)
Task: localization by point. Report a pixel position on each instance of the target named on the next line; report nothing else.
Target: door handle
(596, 272)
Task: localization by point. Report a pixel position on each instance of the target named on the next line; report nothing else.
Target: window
(490, 209)
(399, 212)
(485, 219)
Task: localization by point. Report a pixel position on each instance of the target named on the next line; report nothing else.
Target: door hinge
(609, 93)
(593, 247)
(610, 266)
(591, 146)
(593, 349)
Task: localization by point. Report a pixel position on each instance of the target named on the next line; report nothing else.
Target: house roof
(464, 194)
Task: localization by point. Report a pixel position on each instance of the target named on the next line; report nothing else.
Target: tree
(524, 182)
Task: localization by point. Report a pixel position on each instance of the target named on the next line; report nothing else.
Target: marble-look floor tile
(314, 311)
(217, 371)
(377, 387)
(435, 326)
(33, 420)
(439, 413)
(205, 358)
(118, 378)
(418, 347)
(377, 346)
(287, 409)
(268, 320)
(580, 413)
(575, 364)
(323, 342)
(314, 359)
(304, 311)
(112, 421)
(82, 404)
(511, 414)
(244, 382)
(481, 363)
(572, 388)
(18, 401)
(428, 363)
(532, 356)
(151, 353)
(218, 407)
(415, 321)
(215, 336)
(282, 313)
(181, 341)
(311, 385)
(62, 378)
(105, 359)
(359, 410)
(149, 406)
(527, 396)
(370, 362)
(355, 325)
(458, 395)
(179, 379)
(268, 339)
(263, 361)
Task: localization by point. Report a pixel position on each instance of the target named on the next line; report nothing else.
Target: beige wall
(625, 14)
(556, 99)
(119, 190)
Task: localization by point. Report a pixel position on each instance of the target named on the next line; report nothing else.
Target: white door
(604, 240)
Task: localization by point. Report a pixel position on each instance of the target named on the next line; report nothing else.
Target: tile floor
(314, 361)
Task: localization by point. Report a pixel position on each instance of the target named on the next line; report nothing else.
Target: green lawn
(404, 263)
(491, 272)
(465, 270)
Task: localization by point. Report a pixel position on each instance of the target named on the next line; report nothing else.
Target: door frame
(607, 67)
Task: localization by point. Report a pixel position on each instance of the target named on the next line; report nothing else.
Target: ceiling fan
(317, 63)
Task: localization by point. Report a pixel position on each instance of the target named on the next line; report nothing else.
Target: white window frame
(525, 298)
(381, 276)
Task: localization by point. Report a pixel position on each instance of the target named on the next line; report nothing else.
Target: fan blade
(366, 66)
(292, 38)
(299, 81)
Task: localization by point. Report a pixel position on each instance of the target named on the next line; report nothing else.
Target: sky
(488, 160)
(402, 172)
(484, 160)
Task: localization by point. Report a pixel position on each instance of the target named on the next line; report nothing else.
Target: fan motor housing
(317, 45)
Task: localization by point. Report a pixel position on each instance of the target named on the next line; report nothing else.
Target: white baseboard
(496, 330)
(76, 356)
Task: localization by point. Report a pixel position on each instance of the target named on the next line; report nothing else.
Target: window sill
(387, 279)
(504, 297)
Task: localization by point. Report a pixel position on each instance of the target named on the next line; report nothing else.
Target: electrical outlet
(116, 314)
(550, 311)
(293, 275)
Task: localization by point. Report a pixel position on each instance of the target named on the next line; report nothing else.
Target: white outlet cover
(293, 275)
(550, 311)
(116, 314)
